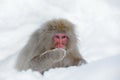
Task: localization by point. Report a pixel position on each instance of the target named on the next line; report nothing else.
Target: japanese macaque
(53, 45)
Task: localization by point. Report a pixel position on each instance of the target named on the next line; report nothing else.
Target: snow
(105, 69)
(94, 71)
(97, 27)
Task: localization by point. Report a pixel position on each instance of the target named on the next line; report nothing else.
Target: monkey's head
(58, 33)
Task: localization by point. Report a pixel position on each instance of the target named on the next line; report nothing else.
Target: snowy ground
(97, 26)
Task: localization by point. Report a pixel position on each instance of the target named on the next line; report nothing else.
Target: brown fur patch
(60, 25)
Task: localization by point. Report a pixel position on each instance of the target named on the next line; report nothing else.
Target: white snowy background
(97, 27)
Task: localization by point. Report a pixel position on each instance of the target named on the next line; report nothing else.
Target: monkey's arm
(82, 61)
(77, 57)
(47, 60)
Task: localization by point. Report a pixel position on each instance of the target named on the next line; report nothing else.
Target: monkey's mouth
(60, 45)
(63, 47)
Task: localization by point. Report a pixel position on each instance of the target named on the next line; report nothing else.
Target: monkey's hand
(54, 55)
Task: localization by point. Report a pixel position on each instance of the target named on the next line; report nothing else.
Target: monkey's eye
(57, 36)
(64, 37)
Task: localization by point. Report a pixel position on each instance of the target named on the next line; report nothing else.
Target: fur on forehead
(59, 25)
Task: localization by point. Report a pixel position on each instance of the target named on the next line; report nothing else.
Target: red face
(60, 40)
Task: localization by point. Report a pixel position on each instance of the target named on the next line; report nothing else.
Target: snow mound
(106, 69)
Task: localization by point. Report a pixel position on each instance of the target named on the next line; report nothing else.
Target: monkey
(53, 45)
